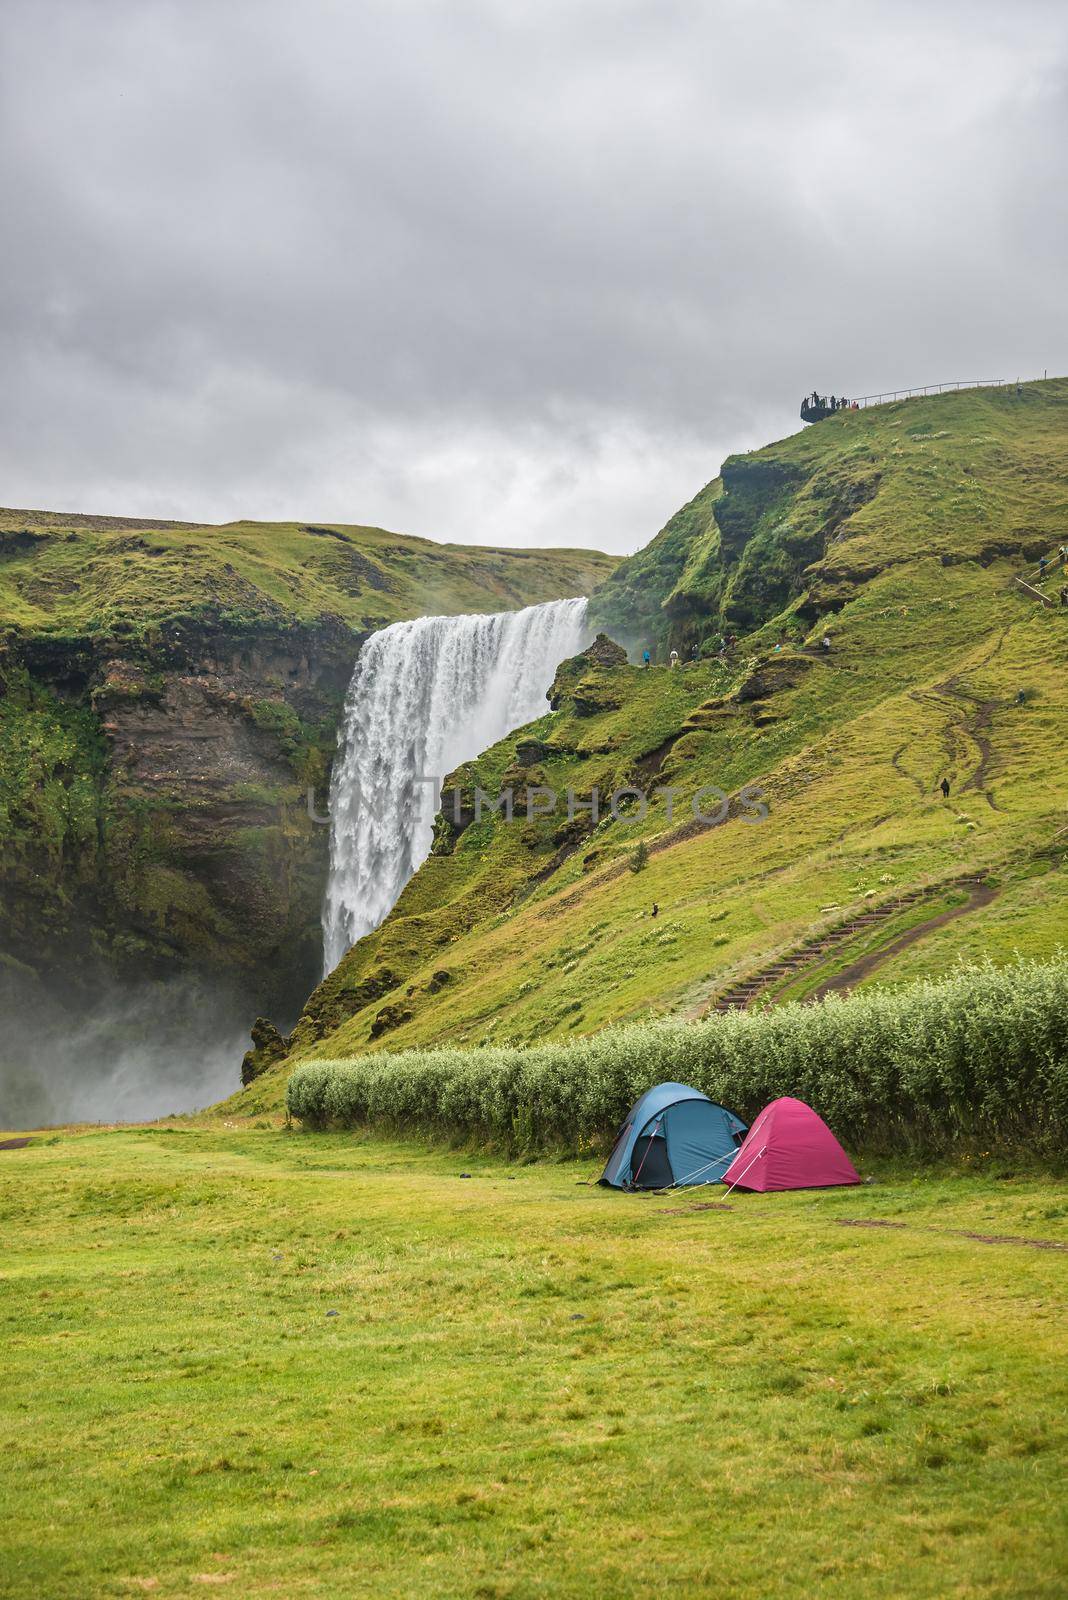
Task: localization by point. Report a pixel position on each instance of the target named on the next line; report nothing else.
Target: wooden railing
(1034, 594)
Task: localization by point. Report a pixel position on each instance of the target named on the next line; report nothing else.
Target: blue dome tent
(675, 1136)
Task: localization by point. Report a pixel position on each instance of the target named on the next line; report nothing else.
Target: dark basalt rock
(768, 677)
(455, 816)
(604, 652)
(531, 752)
(373, 987)
(389, 1017)
(580, 679)
(268, 1048)
(752, 488)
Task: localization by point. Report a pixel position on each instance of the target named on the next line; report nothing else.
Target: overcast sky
(502, 272)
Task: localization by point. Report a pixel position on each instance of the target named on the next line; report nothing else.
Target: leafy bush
(982, 1054)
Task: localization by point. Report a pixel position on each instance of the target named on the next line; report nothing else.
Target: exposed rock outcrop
(165, 823)
(268, 1049)
(584, 680)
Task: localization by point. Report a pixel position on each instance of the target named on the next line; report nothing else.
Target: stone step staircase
(741, 994)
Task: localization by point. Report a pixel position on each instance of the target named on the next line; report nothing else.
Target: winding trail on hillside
(969, 718)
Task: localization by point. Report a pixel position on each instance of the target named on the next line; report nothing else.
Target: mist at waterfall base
(425, 697)
(128, 1054)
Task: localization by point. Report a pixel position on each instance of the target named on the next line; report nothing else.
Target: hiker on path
(673, 659)
(645, 658)
(1064, 595)
(944, 786)
(655, 912)
(695, 654)
(825, 642)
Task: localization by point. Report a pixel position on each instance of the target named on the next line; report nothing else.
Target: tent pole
(648, 1147)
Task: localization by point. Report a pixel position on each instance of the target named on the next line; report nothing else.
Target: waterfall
(425, 696)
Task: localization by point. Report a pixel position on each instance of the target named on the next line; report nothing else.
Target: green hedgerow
(980, 1053)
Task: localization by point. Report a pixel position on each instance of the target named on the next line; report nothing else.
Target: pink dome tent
(789, 1147)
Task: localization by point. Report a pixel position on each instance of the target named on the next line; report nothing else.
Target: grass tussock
(980, 1054)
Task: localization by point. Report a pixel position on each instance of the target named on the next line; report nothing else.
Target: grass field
(275, 1363)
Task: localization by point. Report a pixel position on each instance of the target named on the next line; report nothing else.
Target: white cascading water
(425, 696)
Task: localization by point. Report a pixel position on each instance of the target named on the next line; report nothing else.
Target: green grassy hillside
(167, 695)
(798, 528)
(79, 575)
(899, 531)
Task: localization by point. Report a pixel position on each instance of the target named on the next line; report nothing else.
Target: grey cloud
(502, 272)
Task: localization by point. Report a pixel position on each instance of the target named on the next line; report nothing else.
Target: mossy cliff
(898, 533)
(168, 696)
(800, 526)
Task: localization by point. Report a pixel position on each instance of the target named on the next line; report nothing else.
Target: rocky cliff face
(165, 821)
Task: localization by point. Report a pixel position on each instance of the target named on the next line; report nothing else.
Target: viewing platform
(815, 406)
